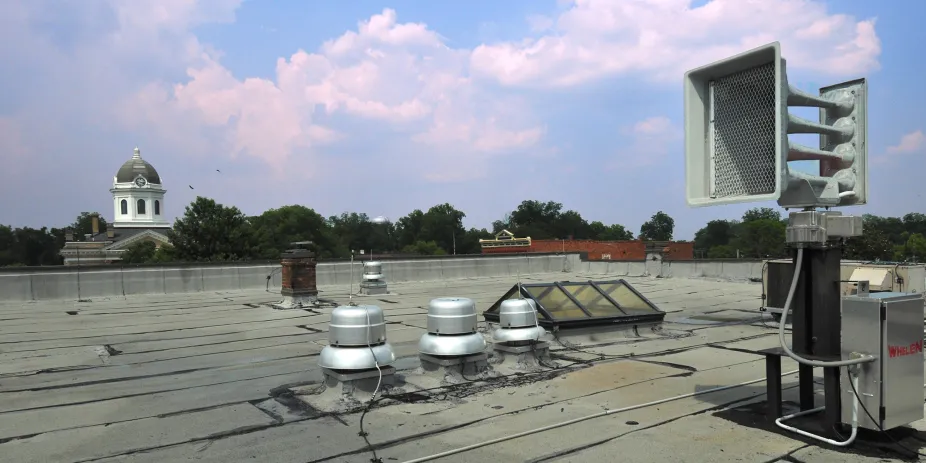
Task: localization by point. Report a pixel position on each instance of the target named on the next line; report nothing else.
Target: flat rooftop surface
(204, 377)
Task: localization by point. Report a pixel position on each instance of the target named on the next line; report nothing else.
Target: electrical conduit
(816, 363)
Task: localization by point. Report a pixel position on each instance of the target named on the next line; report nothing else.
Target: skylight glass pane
(597, 304)
(556, 302)
(511, 294)
(627, 299)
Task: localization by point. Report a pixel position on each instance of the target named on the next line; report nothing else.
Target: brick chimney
(110, 233)
(95, 224)
(299, 287)
(69, 235)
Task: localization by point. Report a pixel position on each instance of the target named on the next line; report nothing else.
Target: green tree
(760, 238)
(891, 228)
(536, 219)
(83, 225)
(443, 224)
(139, 252)
(658, 228)
(211, 231)
(427, 248)
(408, 228)
(715, 233)
(470, 243)
(723, 251)
(9, 254)
(571, 224)
(275, 229)
(759, 213)
(503, 224)
(874, 244)
(915, 248)
(30, 246)
(164, 254)
(34, 247)
(355, 231)
(914, 223)
(615, 232)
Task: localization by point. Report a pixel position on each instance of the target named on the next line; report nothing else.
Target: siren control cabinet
(888, 325)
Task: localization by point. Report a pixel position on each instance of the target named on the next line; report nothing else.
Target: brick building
(506, 243)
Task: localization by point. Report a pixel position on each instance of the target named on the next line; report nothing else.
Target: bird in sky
(219, 171)
(191, 186)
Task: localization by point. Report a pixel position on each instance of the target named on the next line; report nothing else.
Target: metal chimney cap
(517, 313)
(357, 325)
(356, 358)
(452, 315)
(531, 333)
(451, 346)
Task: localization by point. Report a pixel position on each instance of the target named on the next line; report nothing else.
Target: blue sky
(384, 107)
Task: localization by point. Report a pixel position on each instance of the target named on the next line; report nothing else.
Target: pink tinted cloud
(13, 146)
(397, 74)
(663, 38)
(909, 143)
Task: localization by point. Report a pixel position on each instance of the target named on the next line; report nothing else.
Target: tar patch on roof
(568, 304)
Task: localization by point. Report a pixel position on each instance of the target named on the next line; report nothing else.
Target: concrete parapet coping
(74, 283)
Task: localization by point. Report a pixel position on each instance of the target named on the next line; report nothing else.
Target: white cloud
(663, 38)
(138, 67)
(394, 73)
(658, 125)
(909, 143)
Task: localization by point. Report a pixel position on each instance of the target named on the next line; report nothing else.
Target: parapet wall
(735, 270)
(73, 283)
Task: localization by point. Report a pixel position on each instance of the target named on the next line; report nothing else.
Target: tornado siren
(736, 136)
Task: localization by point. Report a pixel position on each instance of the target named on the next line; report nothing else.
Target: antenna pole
(350, 295)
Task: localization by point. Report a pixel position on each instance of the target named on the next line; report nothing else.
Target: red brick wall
(601, 250)
(618, 250)
(510, 250)
(679, 251)
(298, 275)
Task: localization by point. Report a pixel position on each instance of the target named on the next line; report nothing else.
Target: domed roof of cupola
(135, 167)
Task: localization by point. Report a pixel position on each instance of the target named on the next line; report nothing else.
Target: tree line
(761, 234)
(211, 231)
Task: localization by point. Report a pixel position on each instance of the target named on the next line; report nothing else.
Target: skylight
(587, 303)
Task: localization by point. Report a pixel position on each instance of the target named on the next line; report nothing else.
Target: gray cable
(784, 317)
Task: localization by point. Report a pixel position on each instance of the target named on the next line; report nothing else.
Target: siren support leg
(816, 326)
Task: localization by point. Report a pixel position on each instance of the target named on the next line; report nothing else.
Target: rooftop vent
(372, 270)
(372, 282)
(452, 328)
(518, 322)
(566, 304)
(452, 315)
(357, 339)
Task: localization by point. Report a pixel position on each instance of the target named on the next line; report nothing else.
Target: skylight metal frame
(547, 319)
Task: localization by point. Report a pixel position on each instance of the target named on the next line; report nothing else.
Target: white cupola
(138, 196)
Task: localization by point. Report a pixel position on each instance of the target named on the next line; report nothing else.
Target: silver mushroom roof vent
(452, 315)
(372, 281)
(357, 339)
(518, 321)
(452, 329)
(372, 270)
